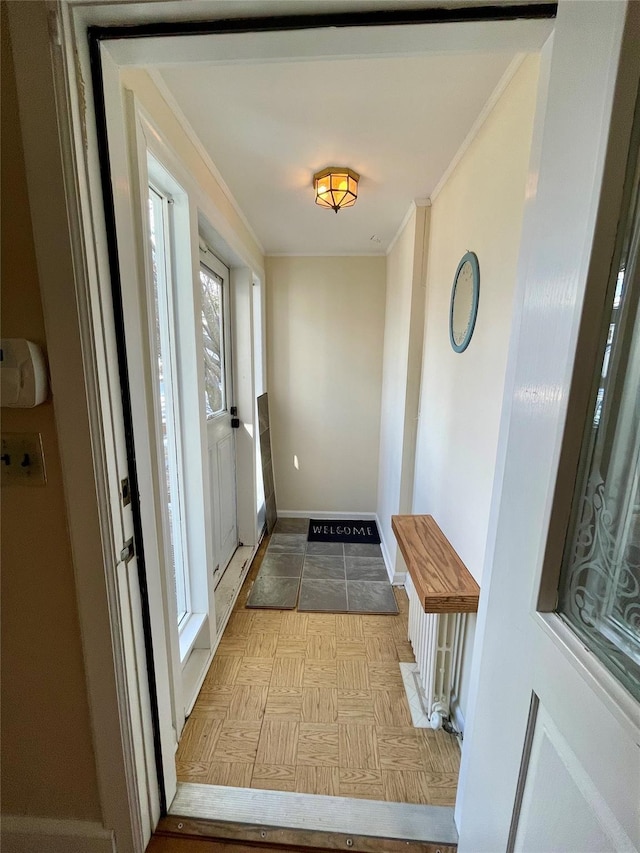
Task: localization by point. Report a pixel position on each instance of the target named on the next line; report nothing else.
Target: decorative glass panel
(213, 342)
(600, 584)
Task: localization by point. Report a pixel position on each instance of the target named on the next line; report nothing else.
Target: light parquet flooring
(315, 703)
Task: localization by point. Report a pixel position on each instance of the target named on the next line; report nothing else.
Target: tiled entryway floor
(314, 703)
(321, 577)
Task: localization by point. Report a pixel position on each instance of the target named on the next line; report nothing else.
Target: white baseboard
(457, 717)
(22, 834)
(396, 578)
(325, 516)
(385, 555)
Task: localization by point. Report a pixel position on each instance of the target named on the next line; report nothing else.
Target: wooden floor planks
(315, 703)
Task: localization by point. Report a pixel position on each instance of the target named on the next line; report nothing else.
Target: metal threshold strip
(309, 820)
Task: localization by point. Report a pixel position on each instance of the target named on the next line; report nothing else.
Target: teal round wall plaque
(465, 295)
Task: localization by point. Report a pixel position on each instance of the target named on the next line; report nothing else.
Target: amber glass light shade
(336, 187)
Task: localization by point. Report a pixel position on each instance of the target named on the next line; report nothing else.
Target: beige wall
(47, 756)
(402, 366)
(325, 323)
(480, 209)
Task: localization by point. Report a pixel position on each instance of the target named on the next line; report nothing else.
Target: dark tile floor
(328, 577)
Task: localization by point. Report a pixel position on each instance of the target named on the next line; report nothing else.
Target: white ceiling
(397, 120)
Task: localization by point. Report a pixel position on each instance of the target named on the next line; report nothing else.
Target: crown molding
(476, 127)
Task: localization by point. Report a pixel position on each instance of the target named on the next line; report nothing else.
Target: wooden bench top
(441, 579)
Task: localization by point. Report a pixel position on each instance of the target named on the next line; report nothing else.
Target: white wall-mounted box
(23, 374)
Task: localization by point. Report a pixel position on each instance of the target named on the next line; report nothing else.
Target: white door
(218, 391)
(551, 759)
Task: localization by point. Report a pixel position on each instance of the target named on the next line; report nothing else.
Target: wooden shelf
(441, 579)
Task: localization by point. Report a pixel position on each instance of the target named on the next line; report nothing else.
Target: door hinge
(128, 551)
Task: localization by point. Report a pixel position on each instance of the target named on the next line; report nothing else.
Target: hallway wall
(402, 365)
(480, 209)
(325, 323)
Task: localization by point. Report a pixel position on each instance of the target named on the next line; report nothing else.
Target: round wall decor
(465, 294)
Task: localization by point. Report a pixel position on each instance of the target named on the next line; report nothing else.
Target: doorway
(182, 154)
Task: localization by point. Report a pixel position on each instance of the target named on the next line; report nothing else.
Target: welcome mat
(356, 531)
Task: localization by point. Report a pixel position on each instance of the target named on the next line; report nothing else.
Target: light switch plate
(21, 459)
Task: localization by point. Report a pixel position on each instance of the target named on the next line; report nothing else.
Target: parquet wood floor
(315, 703)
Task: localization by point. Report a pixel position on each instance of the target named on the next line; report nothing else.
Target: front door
(551, 760)
(216, 345)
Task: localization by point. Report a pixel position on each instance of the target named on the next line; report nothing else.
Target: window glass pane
(600, 584)
(213, 342)
(165, 386)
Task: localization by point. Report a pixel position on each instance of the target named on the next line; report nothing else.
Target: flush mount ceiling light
(336, 187)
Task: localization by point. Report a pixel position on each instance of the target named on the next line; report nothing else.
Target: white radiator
(437, 640)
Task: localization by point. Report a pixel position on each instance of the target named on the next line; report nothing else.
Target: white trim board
(325, 44)
(316, 812)
(410, 678)
(35, 834)
(327, 516)
(380, 253)
(395, 578)
(385, 552)
(456, 715)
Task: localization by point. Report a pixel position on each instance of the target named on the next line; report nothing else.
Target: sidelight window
(166, 381)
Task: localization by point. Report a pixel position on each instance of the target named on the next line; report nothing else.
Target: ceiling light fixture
(336, 187)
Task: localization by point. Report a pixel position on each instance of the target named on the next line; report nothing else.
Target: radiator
(437, 640)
